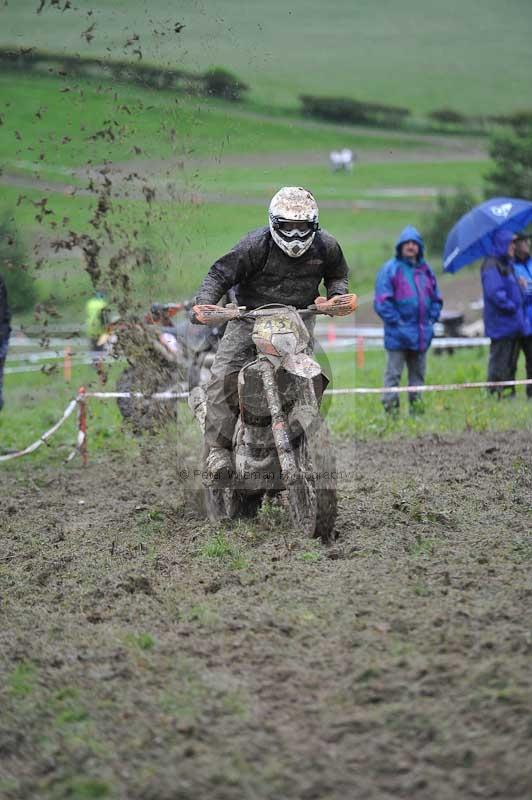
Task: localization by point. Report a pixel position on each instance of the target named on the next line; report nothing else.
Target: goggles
(290, 228)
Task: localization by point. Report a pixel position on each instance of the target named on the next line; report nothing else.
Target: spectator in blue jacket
(408, 300)
(523, 272)
(503, 310)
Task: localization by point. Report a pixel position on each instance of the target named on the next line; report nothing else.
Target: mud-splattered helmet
(293, 220)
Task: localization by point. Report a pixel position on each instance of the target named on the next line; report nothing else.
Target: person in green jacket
(96, 319)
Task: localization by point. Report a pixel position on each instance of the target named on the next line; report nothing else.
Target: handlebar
(304, 313)
(347, 303)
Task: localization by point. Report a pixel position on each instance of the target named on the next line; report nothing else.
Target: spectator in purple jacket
(503, 311)
(408, 300)
(523, 272)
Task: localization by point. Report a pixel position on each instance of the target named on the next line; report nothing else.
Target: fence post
(360, 352)
(67, 364)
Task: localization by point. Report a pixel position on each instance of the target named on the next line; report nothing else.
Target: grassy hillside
(44, 125)
(476, 58)
(213, 169)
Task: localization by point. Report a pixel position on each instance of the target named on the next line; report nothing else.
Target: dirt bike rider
(283, 262)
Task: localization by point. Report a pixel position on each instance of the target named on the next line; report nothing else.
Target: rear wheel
(312, 496)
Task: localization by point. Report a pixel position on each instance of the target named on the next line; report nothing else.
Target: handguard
(340, 305)
(221, 315)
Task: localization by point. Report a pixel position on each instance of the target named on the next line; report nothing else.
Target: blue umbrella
(471, 238)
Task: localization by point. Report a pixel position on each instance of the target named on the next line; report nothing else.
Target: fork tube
(279, 425)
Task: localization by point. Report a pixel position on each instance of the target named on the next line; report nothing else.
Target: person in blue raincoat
(409, 302)
(503, 310)
(523, 272)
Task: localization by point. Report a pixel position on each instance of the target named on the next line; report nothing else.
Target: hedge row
(343, 109)
(219, 82)
(215, 82)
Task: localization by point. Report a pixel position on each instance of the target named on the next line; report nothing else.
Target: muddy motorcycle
(200, 345)
(163, 356)
(156, 363)
(281, 444)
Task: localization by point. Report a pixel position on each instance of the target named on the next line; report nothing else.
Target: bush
(20, 285)
(344, 109)
(520, 121)
(219, 82)
(449, 210)
(512, 174)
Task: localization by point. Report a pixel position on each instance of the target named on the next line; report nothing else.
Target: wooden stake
(67, 364)
(360, 352)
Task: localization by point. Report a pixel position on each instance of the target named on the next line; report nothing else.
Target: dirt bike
(281, 442)
(163, 356)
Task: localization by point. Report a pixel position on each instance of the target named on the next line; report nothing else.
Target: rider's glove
(338, 306)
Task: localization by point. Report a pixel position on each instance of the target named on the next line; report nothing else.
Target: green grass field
(423, 56)
(68, 129)
(367, 180)
(444, 412)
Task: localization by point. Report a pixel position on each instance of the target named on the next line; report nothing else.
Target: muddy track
(146, 659)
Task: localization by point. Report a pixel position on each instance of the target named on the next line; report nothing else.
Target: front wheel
(312, 496)
(243, 506)
(228, 503)
(215, 504)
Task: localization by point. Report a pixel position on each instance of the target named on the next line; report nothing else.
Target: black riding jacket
(261, 273)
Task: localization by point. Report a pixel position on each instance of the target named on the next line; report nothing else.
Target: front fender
(301, 364)
(301, 418)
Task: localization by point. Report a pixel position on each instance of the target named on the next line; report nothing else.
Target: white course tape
(377, 342)
(22, 368)
(433, 387)
(44, 438)
(46, 355)
(156, 396)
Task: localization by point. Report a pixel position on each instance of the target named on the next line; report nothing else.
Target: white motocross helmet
(293, 220)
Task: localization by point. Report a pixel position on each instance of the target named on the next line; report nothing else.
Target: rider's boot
(219, 467)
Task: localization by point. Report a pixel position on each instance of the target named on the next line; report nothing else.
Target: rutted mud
(146, 654)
